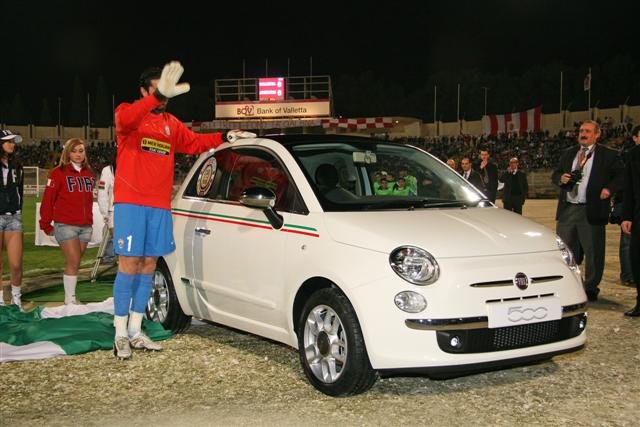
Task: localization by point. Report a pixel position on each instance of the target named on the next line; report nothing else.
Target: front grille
(510, 337)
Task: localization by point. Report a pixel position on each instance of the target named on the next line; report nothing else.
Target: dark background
(383, 59)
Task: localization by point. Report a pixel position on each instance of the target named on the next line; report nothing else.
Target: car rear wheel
(331, 346)
(163, 306)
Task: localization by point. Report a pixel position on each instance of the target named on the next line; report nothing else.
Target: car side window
(240, 169)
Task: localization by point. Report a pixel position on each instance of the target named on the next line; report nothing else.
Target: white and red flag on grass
(522, 122)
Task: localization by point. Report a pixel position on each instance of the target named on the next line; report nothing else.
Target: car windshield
(363, 175)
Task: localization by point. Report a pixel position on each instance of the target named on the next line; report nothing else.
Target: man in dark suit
(489, 173)
(631, 213)
(588, 175)
(470, 175)
(515, 188)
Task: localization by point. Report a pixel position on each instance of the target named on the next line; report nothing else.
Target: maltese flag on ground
(56, 331)
(522, 122)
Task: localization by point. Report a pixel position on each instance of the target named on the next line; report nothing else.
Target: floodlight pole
(486, 89)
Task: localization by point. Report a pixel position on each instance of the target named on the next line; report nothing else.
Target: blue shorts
(11, 222)
(142, 230)
(64, 232)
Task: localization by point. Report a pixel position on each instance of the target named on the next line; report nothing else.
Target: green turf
(38, 260)
(85, 292)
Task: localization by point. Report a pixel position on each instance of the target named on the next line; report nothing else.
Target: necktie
(582, 157)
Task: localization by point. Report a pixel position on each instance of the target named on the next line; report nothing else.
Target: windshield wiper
(443, 204)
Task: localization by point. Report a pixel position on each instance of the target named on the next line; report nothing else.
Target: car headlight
(415, 265)
(567, 256)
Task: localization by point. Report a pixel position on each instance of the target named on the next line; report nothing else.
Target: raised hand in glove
(236, 134)
(168, 85)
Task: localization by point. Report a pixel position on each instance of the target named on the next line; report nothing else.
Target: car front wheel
(163, 306)
(331, 346)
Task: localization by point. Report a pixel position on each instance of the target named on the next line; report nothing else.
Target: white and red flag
(522, 122)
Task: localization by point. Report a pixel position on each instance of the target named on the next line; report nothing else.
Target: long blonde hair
(65, 157)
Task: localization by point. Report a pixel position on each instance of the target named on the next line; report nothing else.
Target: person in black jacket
(489, 173)
(470, 175)
(588, 175)
(11, 192)
(515, 188)
(631, 214)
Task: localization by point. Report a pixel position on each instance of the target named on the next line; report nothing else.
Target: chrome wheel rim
(325, 344)
(158, 305)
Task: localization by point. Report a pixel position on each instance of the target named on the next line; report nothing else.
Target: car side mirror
(265, 199)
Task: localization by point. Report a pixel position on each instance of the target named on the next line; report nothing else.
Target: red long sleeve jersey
(68, 198)
(147, 143)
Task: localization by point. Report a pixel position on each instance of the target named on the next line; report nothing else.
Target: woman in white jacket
(105, 203)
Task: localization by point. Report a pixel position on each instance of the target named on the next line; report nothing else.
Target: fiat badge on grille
(521, 281)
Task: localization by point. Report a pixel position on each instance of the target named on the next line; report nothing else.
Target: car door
(237, 256)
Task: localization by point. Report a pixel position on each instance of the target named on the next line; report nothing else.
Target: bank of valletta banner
(267, 109)
(42, 239)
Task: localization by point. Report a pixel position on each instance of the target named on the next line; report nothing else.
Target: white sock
(120, 323)
(16, 296)
(135, 323)
(69, 288)
(16, 291)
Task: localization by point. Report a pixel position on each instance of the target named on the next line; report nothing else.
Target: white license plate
(520, 312)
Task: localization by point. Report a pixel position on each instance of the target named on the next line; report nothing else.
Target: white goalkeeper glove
(234, 135)
(168, 85)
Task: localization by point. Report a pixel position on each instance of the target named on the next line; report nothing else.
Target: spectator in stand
(489, 174)
(515, 188)
(148, 139)
(68, 203)
(470, 175)
(11, 196)
(588, 175)
(631, 214)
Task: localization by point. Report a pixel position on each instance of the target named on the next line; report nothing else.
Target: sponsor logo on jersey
(155, 146)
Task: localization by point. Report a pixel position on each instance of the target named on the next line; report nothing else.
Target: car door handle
(201, 230)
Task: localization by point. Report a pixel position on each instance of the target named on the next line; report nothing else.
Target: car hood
(445, 233)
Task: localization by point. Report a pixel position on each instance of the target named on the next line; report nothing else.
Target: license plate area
(523, 311)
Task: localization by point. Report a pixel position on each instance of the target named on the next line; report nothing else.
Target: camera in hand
(576, 176)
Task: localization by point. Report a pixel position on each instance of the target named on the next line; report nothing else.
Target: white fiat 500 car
(369, 257)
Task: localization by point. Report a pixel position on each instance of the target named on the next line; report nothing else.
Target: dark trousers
(626, 275)
(585, 240)
(634, 255)
(514, 203)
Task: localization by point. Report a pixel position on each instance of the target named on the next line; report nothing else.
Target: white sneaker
(121, 348)
(142, 342)
(17, 300)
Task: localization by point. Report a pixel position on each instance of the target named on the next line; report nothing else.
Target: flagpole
(88, 116)
(458, 107)
(560, 91)
(590, 114)
(435, 104)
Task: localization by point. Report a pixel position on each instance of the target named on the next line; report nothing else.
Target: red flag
(522, 122)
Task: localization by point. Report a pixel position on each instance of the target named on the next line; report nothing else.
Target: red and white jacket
(147, 144)
(68, 198)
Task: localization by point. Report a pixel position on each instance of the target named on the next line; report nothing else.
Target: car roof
(291, 139)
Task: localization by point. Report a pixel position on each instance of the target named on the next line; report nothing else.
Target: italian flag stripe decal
(286, 228)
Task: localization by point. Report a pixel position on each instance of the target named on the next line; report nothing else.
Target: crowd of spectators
(535, 150)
